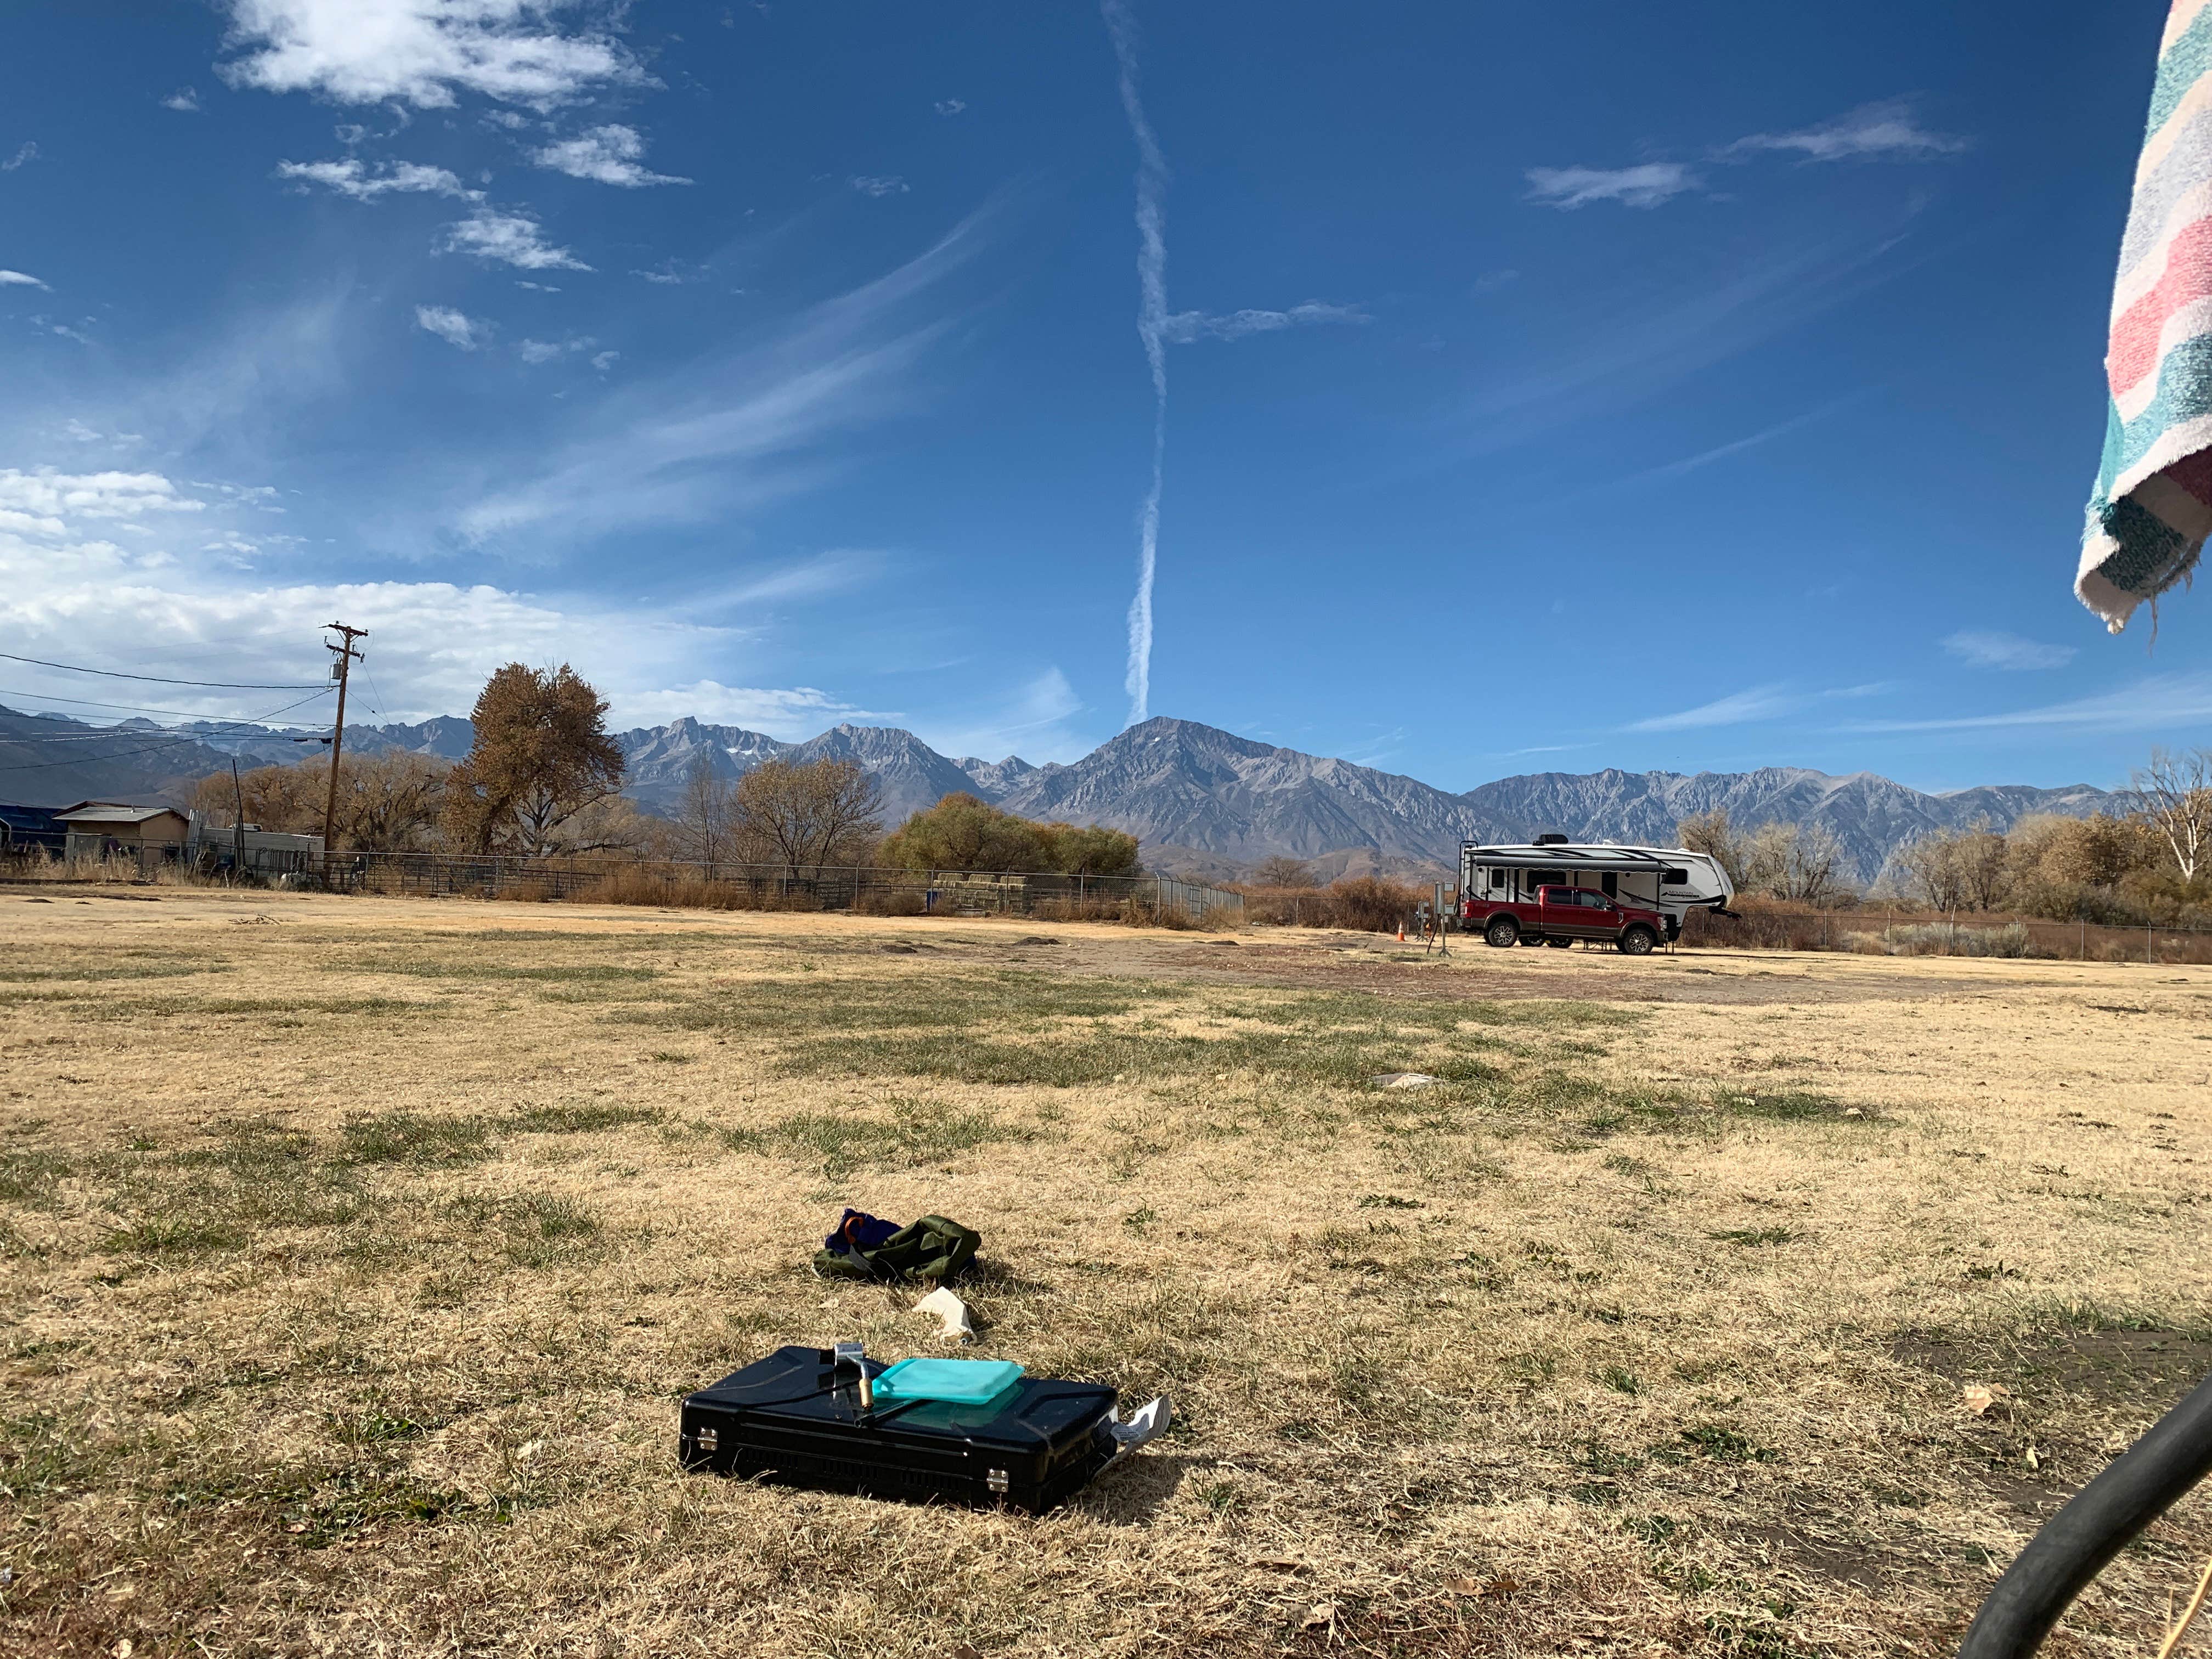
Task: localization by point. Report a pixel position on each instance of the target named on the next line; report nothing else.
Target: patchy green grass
(903, 1135)
(417, 1139)
(579, 1117)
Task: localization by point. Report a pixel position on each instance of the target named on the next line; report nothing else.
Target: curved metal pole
(2135, 1488)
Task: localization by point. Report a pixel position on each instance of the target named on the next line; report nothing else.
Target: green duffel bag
(935, 1247)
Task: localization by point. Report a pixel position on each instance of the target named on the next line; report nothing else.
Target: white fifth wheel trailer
(1670, 880)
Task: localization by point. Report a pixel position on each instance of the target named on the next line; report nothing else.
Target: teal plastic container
(959, 1382)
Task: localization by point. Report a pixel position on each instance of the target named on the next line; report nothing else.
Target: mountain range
(1203, 801)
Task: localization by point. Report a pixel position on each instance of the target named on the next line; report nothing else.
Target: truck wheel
(1501, 932)
(1560, 944)
(1637, 942)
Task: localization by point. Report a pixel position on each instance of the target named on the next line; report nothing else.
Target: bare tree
(1930, 870)
(1281, 871)
(1984, 870)
(826, 812)
(1803, 863)
(1711, 834)
(387, 803)
(704, 822)
(2177, 795)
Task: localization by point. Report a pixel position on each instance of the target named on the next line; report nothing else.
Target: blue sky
(1545, 388)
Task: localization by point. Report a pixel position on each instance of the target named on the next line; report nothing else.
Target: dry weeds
(358, 1251)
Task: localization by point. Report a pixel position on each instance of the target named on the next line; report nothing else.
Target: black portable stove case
(791, 1417)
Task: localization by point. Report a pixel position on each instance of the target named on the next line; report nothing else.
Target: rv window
(1547, 879)
(1674, 878)
(1612, 884)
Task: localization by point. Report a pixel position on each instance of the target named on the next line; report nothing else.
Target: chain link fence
(718, 885)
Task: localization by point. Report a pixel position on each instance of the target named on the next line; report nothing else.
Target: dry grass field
(357, 1253)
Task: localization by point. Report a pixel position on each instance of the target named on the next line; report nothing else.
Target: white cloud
(1888, 131)
(951, 105)
(669, 274)
(1987, 649)
(512, 238)
(1645, 187)
(19, 279)
(40, 501)
(350, 178)
(69, 593)
(545, 351)
(605, 361)
(185, 100)
(1185, 326)
(450, 325)
(423, 52)
(609, 155)
(1759, 702)
(542, 287)
(888, 184)
(25, 152)
(791, 714)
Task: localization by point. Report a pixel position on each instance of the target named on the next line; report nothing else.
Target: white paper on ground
(1148, 1422)
(1403, 1080)
(943, 1304)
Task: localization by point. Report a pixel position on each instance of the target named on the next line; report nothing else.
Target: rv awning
(1562, 858)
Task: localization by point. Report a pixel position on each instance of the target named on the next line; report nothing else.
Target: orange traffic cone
(1401, 932)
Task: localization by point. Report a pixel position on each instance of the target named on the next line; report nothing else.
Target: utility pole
(346, 657)
(238, 824)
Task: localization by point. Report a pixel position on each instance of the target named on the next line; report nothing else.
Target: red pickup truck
(1560, 916)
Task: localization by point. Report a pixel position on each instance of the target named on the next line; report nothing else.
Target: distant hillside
(1203, 801)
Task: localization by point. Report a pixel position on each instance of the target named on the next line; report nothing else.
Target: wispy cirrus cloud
(1759, 703)
(609, 155)
(24, 153)
(185, 100)
(351, 177)
(1990, 648)
(20, 279)
(1033, 718)
(2161, 702)
(1705, 457)
(1185, 327)
(507, 237)
(1756, 703)
(1651, 184)
(424, 55)
(951, 105)
(731, 428)
(1888, 131)
(878, 184)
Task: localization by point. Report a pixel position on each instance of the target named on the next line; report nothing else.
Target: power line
(157, 679)
(87, 702)
(174, 742)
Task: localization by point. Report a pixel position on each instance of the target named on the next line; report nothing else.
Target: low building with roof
(111, 829)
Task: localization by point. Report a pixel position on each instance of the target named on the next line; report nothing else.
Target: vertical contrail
(1152, 329)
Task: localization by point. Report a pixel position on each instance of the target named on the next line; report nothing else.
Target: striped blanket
(2152, 509)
